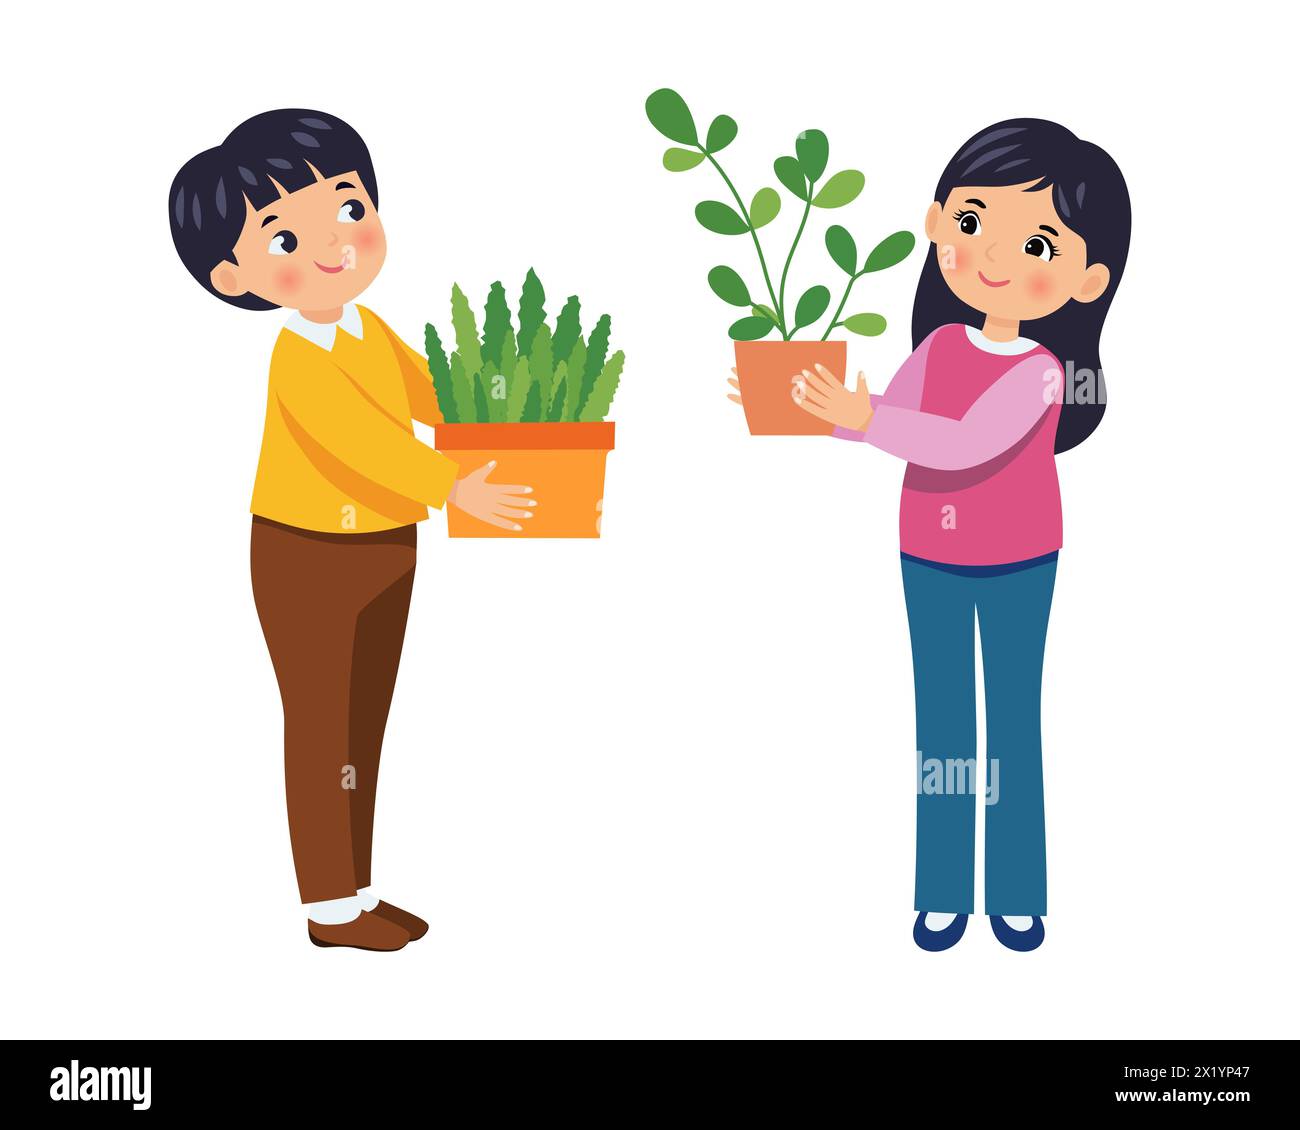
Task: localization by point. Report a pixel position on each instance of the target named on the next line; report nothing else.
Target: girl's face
(315, 249)
(1005, 252)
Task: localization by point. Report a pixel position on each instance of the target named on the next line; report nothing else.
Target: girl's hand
(497, 504)
(820, 394)
(734, 381)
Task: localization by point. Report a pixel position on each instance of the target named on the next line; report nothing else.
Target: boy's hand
(497, 504)
(820, 394)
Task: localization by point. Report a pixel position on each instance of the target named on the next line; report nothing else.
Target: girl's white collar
(1004, 348)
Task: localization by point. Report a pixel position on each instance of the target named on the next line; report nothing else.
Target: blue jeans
(1012, 603)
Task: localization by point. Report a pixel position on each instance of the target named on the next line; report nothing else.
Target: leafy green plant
(803, 176)
(530, 374)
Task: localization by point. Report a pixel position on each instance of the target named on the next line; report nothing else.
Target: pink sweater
(976, 422)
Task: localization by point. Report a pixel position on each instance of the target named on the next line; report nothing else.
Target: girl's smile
(329, 270)
(1016, 230)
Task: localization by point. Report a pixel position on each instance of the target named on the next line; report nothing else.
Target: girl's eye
(351, 211)
(1040, 248)
(969, 223)
(283, 243)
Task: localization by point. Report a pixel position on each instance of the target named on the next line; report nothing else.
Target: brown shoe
(368, 931)
(415, 927)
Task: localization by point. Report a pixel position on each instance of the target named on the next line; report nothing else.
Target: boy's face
(312, 250)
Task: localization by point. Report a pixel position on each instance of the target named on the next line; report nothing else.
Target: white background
(659, 784)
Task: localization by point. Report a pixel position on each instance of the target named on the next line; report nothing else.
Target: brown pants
(333, 610)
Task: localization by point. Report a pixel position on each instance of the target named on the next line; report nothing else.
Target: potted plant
(533, 397)
(766, 368)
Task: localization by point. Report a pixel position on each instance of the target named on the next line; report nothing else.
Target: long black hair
(1090, 195)
(281, 147)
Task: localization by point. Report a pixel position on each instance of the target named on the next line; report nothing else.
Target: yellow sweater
(339, 453)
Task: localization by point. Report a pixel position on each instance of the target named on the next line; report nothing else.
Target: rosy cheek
(952, 257)
(1040, 284)
(368, 239)
(288, 279)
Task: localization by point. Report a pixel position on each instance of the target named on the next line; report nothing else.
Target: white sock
(369, 900)
(335, 912)
(1019, 921)
(940, 921)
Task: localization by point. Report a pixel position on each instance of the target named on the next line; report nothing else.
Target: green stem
(798, 235)
(835, 319)
(762, 261)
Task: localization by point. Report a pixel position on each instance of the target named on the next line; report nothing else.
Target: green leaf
(496, 386)
(568, 327)
(532, 313)
(841, 189)
(765, 206)
(890, 251)
(602, 392)
(440, 371)
(751, 329)
(843, 250)
(482, 413)
(597, 351)
(541, 363)
(729, 286)
(720, 218)
(812, 150)
(556, 411)
(868, 325)
(508, 352)
(669, 114)
(434, 351)
(681, 160)
(462, 390)
(765, 312)
(496, 320)
(790, 173)
(576, 366)
(462, 320)
(520, 384)
(532, 412)
(812, 305)
(721, 133)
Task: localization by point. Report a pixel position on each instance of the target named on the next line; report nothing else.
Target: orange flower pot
(765, 368)
(563, 463)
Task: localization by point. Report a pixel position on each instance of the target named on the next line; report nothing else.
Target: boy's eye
(351, 211)
(968, 223)
(1040, 248)
(283, 243)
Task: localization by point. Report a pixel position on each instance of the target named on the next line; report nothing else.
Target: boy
(284, 214)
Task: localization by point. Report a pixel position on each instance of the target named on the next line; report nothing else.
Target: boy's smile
(313, 250)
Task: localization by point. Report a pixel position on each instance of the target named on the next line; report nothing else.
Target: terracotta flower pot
(765, 368)
(563, 463)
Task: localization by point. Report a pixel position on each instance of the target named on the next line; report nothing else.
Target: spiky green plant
(801, 176)
(531, 374)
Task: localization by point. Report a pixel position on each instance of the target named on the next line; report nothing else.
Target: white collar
(1005, 348)
(324, 333)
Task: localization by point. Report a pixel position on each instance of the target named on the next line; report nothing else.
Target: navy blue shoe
(937, 940)
(1020, 940)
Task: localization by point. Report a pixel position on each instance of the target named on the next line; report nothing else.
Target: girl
(1029, 225)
